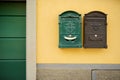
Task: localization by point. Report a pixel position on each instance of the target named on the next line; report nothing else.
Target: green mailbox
(70, 30)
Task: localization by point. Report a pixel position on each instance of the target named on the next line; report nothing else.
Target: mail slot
(95, 30)
(70, 30)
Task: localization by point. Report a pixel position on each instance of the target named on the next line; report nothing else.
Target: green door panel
(12, 70)
(12, 8)
(12, 26)
(12, 48)
(12, 40)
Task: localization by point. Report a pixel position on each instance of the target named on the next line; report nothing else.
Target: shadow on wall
(83, 50)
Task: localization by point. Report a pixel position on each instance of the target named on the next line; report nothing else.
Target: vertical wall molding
(31, 40)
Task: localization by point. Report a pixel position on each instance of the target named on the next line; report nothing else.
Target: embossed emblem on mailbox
(95, 30)
(70, 30)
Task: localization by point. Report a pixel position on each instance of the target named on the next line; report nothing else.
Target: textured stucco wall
(47, 32)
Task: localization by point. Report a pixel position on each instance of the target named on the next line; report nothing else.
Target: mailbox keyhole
(96, 35)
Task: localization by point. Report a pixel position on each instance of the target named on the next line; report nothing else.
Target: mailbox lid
(69, 13)
(70, 22)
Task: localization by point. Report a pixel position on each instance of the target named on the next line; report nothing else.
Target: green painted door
(12, 40)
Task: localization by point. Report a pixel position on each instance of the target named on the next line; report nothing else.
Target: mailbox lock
(95, 35)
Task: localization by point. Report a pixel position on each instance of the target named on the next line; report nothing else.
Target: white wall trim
(31, 40)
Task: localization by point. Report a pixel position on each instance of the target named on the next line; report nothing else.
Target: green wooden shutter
(12, 40)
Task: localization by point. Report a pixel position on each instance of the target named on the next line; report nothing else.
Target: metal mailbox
(70, 30)
(95, 30)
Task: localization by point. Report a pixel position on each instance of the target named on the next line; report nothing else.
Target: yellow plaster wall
(47, 32)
